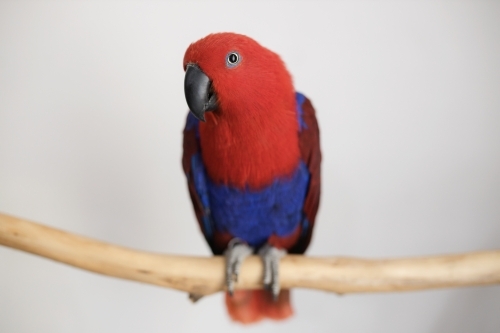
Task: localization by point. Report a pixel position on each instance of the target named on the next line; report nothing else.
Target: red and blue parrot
(252, 160)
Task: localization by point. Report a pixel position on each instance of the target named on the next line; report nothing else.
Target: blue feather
(192, 122)
(200, 184)
(300, 99)
(255, 215)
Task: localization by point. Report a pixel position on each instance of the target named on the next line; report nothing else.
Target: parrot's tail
(251, 306)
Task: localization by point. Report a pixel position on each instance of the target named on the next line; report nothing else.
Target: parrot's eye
(232, 59)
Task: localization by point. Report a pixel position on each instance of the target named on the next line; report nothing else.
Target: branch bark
(205, 275)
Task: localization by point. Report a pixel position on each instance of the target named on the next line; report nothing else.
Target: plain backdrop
(91, 116)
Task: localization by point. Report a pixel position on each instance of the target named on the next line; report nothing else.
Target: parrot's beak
(200, 96)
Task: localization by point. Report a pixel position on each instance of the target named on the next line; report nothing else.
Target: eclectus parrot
(252, 160)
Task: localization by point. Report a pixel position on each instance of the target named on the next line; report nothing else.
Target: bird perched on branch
(252, 160)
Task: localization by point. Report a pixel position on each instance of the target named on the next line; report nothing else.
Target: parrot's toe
(236, 252)
(271, 258)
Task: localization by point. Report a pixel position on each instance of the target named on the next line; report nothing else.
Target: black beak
(200, 96)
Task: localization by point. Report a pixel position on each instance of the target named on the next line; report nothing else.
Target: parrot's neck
(252, 151)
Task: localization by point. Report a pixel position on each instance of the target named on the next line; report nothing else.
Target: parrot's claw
(236, 252)
(271, 258)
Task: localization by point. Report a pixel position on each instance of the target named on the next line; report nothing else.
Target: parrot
(251, 155)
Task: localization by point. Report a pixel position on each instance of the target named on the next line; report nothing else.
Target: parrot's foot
(236, 252)
(271, 258)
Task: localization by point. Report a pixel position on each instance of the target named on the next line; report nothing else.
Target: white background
(91, 113)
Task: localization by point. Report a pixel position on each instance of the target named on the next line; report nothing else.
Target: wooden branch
(203, 276)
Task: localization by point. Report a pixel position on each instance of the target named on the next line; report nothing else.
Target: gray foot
(236, 252)
(271, 258)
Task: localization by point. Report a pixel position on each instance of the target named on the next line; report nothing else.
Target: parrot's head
(236, 78)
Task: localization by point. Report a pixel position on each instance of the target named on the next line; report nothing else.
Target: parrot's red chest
(249, 153)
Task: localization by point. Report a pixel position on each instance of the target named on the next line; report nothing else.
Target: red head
(250, 137)
(243, 74)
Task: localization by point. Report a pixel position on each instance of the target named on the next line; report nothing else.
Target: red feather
(311, 154)
(251, 306)
(252, 137)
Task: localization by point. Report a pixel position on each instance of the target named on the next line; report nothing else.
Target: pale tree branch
(205, 275)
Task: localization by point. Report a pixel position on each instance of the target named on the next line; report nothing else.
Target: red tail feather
(251, 306)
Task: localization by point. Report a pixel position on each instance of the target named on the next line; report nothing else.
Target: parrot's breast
(251, 213)
(250, 148)
(254, 216)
